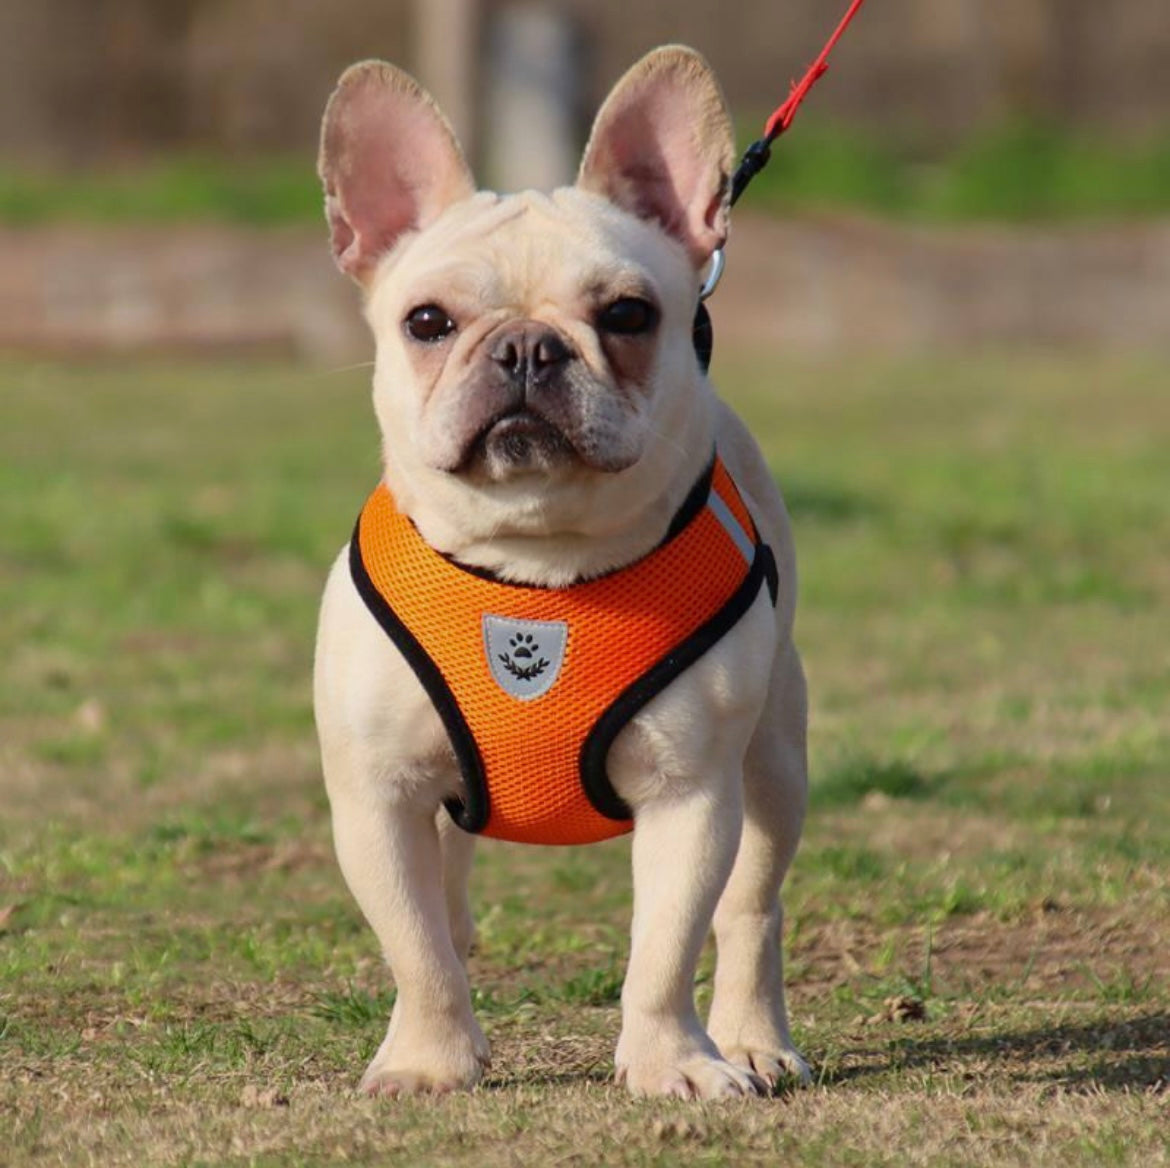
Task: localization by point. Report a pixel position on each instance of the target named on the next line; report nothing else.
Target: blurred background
(974, 171)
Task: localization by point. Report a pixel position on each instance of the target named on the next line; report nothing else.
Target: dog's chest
(532, 686)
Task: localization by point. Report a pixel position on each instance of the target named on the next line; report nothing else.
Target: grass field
(1011, 172)
(978, 921)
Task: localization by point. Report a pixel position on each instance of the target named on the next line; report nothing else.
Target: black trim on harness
(595, 749)
(471, 812)
(695, 501)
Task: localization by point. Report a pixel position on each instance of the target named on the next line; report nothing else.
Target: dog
(550, 439)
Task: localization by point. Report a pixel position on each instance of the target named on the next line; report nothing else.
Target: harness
(533, 684)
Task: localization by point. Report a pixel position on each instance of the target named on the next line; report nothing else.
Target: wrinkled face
(530, 335)
(535, 377)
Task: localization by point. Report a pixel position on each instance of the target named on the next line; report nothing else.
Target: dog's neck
(594, 525)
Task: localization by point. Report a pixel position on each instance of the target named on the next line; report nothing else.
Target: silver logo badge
(525, 657)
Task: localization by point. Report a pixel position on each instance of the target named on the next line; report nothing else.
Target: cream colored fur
(714, 767)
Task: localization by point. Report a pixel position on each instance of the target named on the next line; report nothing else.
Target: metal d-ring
(718, 262)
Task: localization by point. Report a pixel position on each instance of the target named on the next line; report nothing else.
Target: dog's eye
(628, 316)
(429, 322)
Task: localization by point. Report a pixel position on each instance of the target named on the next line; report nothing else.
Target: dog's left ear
(662, 147)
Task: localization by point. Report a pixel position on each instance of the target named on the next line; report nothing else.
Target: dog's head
(535, 372)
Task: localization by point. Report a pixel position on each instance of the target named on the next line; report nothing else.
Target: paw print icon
(524, 656)
(523, 646)
(522, 659)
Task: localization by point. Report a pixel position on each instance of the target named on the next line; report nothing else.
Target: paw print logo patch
(525, 657)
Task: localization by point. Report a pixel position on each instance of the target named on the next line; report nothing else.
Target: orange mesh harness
(533, 684)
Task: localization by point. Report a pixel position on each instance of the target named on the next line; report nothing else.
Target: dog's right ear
(389, 162)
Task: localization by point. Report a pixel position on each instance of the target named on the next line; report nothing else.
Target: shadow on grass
(819, 503)
(1112, 1055)
(853, 778)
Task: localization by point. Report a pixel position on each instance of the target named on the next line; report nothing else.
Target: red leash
(757, 154)
(754, 160)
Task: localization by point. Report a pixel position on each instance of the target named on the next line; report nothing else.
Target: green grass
(184, 979)
(1015, 171)
(269, 191)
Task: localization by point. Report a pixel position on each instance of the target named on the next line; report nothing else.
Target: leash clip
(718, 263)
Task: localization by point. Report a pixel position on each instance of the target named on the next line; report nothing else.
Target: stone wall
(824, 285)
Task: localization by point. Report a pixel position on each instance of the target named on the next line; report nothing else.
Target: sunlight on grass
(975, 917)
(1015, 171)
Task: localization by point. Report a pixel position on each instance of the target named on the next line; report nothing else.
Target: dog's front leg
(683, 850)
(749, 1019)
(392, 862)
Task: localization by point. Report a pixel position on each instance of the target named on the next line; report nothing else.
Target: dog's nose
(529, 350)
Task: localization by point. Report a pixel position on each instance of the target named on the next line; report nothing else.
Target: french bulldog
(544, 421)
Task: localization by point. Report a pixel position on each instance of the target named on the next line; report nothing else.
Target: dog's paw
(701, 1076)
(775, 1067)
(436, 1068)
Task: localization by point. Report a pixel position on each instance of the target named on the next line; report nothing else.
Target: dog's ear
(662, 147)
(389, 162)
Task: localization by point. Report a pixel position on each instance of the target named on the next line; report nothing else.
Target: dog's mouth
(520, 440)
